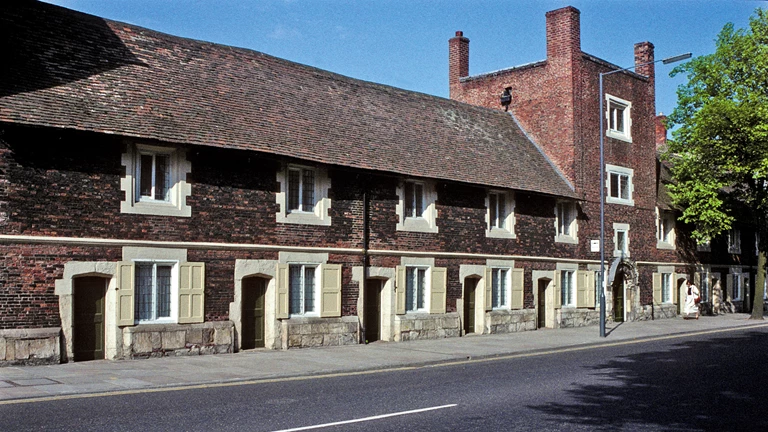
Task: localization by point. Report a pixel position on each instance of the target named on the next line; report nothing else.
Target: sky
(404, 43)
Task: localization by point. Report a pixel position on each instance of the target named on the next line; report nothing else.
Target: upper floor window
(618, 118)
(500, 215)
(565, 222)
(621, 240)
(303, 196)
(704, 245)
(155, 181)
(416, 209)
(734, 241)
(499, 288)
(620, 186)
(665, 229)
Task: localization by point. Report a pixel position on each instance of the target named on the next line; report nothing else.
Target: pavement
(86, 379)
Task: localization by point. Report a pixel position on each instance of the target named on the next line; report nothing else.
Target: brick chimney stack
(644, 54)
(661, 131)
(458, 61)
(563, 34)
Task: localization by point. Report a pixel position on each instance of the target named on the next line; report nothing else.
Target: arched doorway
(88, 323)
(624, 291)
(254, 290)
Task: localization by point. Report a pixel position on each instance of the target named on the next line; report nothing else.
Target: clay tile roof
(71, 70)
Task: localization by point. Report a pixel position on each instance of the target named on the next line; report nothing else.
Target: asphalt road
(711, 382)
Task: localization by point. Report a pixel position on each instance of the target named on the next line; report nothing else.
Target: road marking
(364, 419)
(367, 372)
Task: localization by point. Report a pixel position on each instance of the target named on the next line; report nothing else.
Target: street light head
(677, 58)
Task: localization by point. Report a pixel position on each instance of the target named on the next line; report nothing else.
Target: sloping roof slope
(71, 70)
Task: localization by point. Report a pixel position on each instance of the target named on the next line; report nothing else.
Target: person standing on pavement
(691, 301)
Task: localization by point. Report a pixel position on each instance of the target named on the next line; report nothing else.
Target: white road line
(366, 419)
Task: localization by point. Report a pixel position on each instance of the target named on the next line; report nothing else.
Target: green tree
(719, 152)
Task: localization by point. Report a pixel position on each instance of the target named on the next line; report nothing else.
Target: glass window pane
(418, 191)
(163, 292)
(410, 286)
(409, 200)
(294, 183)
(614, 188)
(495, 288)
(420, 288)
(624, 187)
(502, 212)
(492, 208)
(162, 177)
(143, 294)
(309, 289)
(308, 190)
(294, 277)
(145, 175)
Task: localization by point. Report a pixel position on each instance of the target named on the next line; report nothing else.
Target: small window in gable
(665, 229)
(417, 208)
(621, 240)
(620, 186)
(618, 118)
(565, 222)
(303, 196)
(155, 181)
(500, 218)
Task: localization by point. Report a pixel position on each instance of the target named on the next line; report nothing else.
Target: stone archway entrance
(625, 292)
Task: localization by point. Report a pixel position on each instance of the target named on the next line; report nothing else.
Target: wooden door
(254, 290)
(470, 289)
(88, 332)
(372, 310)
(542, 307)
(618, 301)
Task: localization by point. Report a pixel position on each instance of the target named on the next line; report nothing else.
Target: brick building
(165, 196)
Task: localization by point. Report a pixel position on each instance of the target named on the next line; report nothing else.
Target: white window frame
(622, 173)
(566, 232)
(568, 300)
(620, 228)
(316, 291)
(427, 220)
(504, 275)
(178, 192)
(611, 116)
(667, 285)
(665, 229)
(174, 292)
(319, 214)
(737, 283)
(705, 280)
(734, 241)
(500, 227)
(411, 272)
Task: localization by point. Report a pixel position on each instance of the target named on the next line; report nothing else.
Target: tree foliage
(719, 152)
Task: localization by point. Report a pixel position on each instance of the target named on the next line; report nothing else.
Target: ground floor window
(666, 288)
(499, 287)
(153, 291)
(567, 288)
(415, 287)
(302, 289)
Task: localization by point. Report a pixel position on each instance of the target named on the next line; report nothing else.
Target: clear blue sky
(404, 43)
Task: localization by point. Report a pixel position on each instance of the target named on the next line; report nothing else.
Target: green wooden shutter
(488, 280)
(125, 277)
(400, 287)
(330, 290)
(282, 291)
(518, 274)
(191, 292)
(437, 290)
(558, 293)
(657, 288)
(582, 288)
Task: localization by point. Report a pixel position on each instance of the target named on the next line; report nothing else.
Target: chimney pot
(459, 33)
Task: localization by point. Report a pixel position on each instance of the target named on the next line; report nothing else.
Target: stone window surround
(573, 238)
(506, 265)
(508, 231)
(661, 216)
(623, 171)
(626, 135)
(321, 214)
(623, 227)
(180, 189)
(160, 255)
(427, 263)
(425, 224)
(672, 283)
(736, 272)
